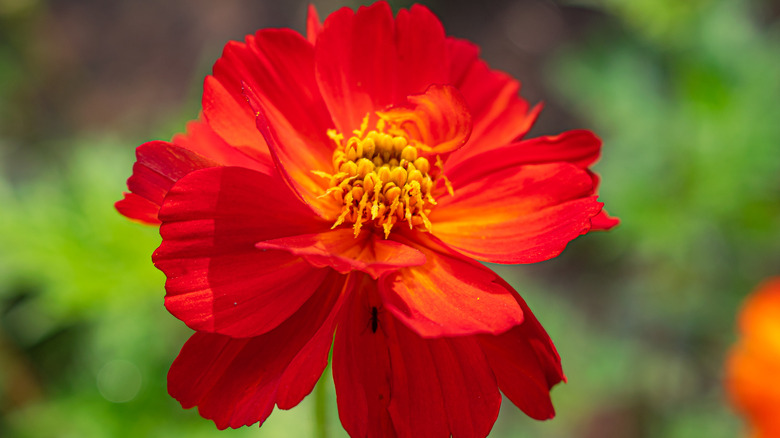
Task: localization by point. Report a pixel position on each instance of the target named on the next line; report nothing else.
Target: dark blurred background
(684, 94)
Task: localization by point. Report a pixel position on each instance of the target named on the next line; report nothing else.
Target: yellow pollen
(380, 179)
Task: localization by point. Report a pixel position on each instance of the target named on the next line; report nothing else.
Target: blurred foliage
(684, 95)
(686, 103)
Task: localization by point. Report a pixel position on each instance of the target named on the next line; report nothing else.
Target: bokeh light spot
(119, 381)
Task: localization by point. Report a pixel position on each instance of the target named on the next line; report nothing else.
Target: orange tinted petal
(449, 295)
(438, 119)
(229, 116)
(341, 250)
(517, 215)
(204, 141)
(273, 73)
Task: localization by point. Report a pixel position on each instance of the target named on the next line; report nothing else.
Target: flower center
(381, 179)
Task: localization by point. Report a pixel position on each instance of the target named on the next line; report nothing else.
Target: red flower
(343, 183)
(754, 363)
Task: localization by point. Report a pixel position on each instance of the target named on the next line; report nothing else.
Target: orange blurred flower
(753, 365)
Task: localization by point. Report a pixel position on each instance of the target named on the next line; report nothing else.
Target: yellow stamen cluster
(380, 178)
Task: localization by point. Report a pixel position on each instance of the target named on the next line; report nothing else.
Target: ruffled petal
(138, 208)
(437, 121)
(499, 114)
(525, 363)
(581, 148)
(367, 61)
(158, 166)
(217, 280)
(342, 251)
(277, 65)
(236, 382)
(517, 215)
(449, 295)
(391, 382)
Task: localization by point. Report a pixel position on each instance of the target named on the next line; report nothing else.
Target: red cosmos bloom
(343, 183)
(754, 363)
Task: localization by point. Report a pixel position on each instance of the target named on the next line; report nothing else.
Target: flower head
(755, 360)
(345, 182)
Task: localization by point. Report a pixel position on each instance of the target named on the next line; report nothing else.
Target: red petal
(313, 24)
(158, 166)
(499, 114)
(340, 250)
(235, 382)
(579, 147)
(439, 119)
(278, 66)
(392, 382)
(421, 51)
(441, 387)
(525, 363)
(361, 371)
(603, 221)
(138, 208)
(201, 139)
(517, 215)
(296, 168)
(367, 61)
(302, 373)
(217, 280)
(449, 296)
(227, 112)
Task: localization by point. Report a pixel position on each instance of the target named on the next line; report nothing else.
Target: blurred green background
(684, 94)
